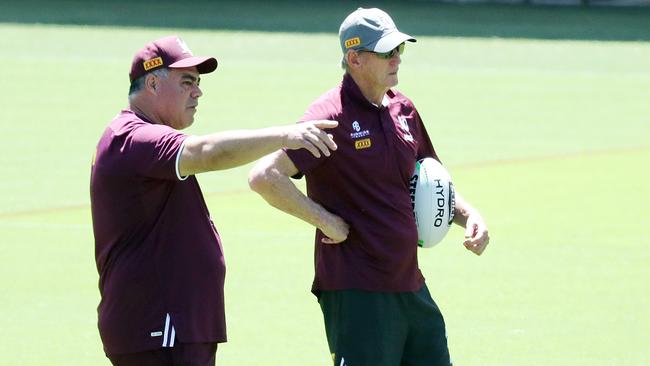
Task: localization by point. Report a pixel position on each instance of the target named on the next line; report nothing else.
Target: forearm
(280, 192)
(224, 150)
(270, 178)
(462, 210)
(476, 231)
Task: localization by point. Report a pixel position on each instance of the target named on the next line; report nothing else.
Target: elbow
(258, 180)
(269, 177)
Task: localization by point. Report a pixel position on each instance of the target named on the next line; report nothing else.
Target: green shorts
(384, 329)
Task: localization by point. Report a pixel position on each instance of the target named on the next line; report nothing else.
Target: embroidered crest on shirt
(362, 144)
(405, 128)
(358, 133)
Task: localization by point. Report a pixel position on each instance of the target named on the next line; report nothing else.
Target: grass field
(548, 137)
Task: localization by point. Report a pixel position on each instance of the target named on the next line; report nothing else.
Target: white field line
(463, 166)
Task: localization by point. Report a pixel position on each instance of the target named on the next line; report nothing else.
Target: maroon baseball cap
(169, 52)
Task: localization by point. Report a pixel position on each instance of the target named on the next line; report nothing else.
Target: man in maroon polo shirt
(158, 254)
(376, 306)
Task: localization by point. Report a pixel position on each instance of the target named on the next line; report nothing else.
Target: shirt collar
(142, 117)
(352, 89)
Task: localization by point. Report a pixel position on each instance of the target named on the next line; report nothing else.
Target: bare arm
(476, 232)
(229, 149)
(271, 179)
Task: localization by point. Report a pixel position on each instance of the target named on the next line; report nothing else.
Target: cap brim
(205, 65)
(390, 41)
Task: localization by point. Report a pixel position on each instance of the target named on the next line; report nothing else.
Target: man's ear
(151, 83)
(353, 58)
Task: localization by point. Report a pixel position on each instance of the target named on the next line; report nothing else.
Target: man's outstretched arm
(229, 149)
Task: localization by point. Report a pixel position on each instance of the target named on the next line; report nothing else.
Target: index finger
(325, 124)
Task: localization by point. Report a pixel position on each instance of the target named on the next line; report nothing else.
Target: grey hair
(344, 62)
(138, 84)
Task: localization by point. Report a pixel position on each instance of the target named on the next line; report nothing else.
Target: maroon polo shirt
(159, 257)
(366, 182)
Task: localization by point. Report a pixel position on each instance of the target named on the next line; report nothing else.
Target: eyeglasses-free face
(386, 55)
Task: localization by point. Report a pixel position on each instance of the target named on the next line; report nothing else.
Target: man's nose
(197, 92)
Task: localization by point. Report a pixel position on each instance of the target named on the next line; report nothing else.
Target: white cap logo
(356, 126)
(183, 46)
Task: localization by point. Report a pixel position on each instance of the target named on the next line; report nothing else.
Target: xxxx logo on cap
(352, 42)
(154, 62)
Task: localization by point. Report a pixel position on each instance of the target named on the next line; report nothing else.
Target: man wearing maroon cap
(376, 305)
(158, 254)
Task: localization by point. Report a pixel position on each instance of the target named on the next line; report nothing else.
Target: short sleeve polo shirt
(158, 254)
(366, 182)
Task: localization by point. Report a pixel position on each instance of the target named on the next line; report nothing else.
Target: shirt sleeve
(304, 160)
(153, 151)
(425, 147)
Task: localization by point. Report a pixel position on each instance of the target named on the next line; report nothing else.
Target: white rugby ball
(432, 197)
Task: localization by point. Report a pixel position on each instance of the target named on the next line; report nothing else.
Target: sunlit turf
(548, 138)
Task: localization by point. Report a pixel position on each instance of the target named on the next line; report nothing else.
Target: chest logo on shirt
(405, 128)
(362, 144)
(358, 133)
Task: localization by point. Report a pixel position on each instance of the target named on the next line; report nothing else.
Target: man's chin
(185, 124)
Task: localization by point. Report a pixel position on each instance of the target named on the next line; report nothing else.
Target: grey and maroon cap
(170, 52)
(372, 30)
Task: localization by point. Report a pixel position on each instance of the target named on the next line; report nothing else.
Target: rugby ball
(432, 197)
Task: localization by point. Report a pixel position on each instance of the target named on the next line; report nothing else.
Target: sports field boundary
(420, 18)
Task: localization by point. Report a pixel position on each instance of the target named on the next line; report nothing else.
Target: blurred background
(538, 108)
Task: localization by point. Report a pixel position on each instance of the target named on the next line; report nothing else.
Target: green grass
(548, 138)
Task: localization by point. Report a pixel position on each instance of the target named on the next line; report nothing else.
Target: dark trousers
(384, 329)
